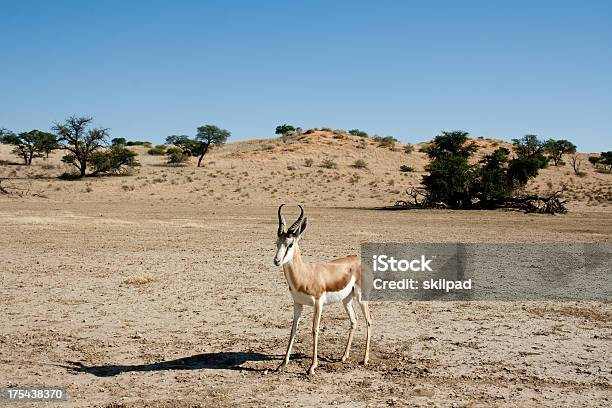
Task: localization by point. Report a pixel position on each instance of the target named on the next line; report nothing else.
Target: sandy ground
(158, 289)
(213, 323)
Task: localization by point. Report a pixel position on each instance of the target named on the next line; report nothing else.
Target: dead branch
(9, 187)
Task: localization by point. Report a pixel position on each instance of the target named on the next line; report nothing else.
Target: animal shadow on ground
(230, 360)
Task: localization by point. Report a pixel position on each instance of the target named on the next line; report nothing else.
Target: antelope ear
(302, 228)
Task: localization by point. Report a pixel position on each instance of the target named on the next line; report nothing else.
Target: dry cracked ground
(126, 304)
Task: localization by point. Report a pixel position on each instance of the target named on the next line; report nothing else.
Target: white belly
(333, 297)
(327, 297)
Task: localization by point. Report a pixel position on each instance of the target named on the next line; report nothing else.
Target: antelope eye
(290, 245)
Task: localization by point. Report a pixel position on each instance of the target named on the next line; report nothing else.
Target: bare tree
(79, 141)
(576, 164)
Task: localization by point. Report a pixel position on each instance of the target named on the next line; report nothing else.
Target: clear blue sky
(402, 68)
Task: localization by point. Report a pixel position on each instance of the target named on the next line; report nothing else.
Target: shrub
(408, 148)
(386, 141)
(360, 164)
(115, 160)
(357, 132)
(137, 143)
(158, 150)
(425, 148)
(176, 155)
(329, 164)
(308, 162)
(339, 134)
(406, 169)
(594, 160)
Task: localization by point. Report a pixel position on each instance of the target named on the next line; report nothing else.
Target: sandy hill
(321, 168)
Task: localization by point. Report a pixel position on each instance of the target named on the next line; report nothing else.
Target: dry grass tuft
(142, 279)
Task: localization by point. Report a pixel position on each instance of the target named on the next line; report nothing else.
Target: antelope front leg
(348, 306)
(316, 319)
(297, 313)
(366, 313)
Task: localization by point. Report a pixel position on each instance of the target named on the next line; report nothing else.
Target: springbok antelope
(317, 284)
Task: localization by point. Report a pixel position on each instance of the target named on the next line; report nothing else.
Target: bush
(386, 141)
(176, 155)
(137, 143)
(425, 148)
(115, 160)
(329, 164)
(158, 150)
(360, 164)
(406, 169)
(357, 132)
(308, 162)
(408, 148)
(339, 134)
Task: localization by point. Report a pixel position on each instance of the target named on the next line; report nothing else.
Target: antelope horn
(298, 222)
(281, 221)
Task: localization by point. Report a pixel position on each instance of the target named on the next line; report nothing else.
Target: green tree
(206, 136)
(602, 161)
(606, 160)
(29, 145)
(209, 135)
(79, 141)
(528, 146)
(186, 144)
(118, 141)
(493, 185)
(451, 176)
(284, 129)
(557, 148)
(490, 183)
(529, 160)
